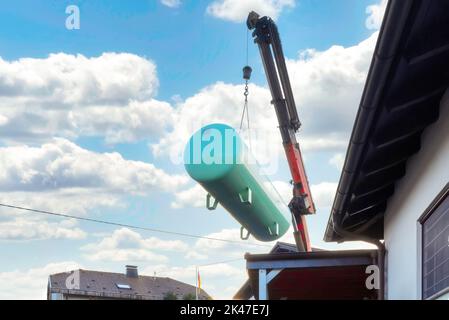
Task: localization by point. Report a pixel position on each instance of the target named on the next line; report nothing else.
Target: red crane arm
(266, 36)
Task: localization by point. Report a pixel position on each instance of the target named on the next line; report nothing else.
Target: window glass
(435, 250)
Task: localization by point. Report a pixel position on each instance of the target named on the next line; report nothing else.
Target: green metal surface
(218, 159)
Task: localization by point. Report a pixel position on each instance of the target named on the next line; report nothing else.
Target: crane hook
(247, 70)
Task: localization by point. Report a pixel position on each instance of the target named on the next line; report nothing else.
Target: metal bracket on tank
(246, 237)
(210, 206)
(246, 196)
(276, 228)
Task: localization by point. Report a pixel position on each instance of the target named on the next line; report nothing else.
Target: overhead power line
(180, 234)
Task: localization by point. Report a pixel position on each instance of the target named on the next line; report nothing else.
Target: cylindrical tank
(218, 159)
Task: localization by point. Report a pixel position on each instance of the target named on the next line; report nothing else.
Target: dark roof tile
(105, 284)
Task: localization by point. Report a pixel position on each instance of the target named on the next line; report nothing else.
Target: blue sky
(90, 120)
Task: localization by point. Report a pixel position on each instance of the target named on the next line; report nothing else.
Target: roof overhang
(408, 76)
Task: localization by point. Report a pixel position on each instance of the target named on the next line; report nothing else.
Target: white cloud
(27, 228)
(195, 255)
(62, 164)
(205, 245)
(323, 193)
(192, 197)
(337, 160)
(59, 176)
(126, 255)
(221, 250)
(238, 10)
(327, 86)
(224, 105)
(133, 122)
(125, 245)
(64, 79)
(171, 3)
(31, 284)
(76, 201)
(375, 15)
(284, 189)
(113, 96)
(3, 120)
(213, 278)
(22, 225)
(110, 96)
(331, 141)
(222, 269)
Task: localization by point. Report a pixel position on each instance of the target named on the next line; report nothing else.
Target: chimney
(131, 272)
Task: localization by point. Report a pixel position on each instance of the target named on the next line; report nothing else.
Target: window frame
(123, 286)
(436, 202)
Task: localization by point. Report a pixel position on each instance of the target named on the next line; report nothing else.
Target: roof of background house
(104, 284)
(283, 247)
(407, 79)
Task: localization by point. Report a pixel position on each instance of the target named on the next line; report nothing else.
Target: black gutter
(385, 53)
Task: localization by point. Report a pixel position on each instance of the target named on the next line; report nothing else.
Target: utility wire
(187, 235)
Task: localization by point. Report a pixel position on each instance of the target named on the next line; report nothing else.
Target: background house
(97, 285)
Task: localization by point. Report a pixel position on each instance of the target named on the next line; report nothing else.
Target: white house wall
(427, 174)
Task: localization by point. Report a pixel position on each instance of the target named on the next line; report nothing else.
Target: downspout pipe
(380, 255)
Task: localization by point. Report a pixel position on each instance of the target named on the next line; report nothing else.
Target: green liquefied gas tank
(217, 158)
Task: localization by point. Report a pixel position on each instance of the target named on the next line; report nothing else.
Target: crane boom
(266, 36)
